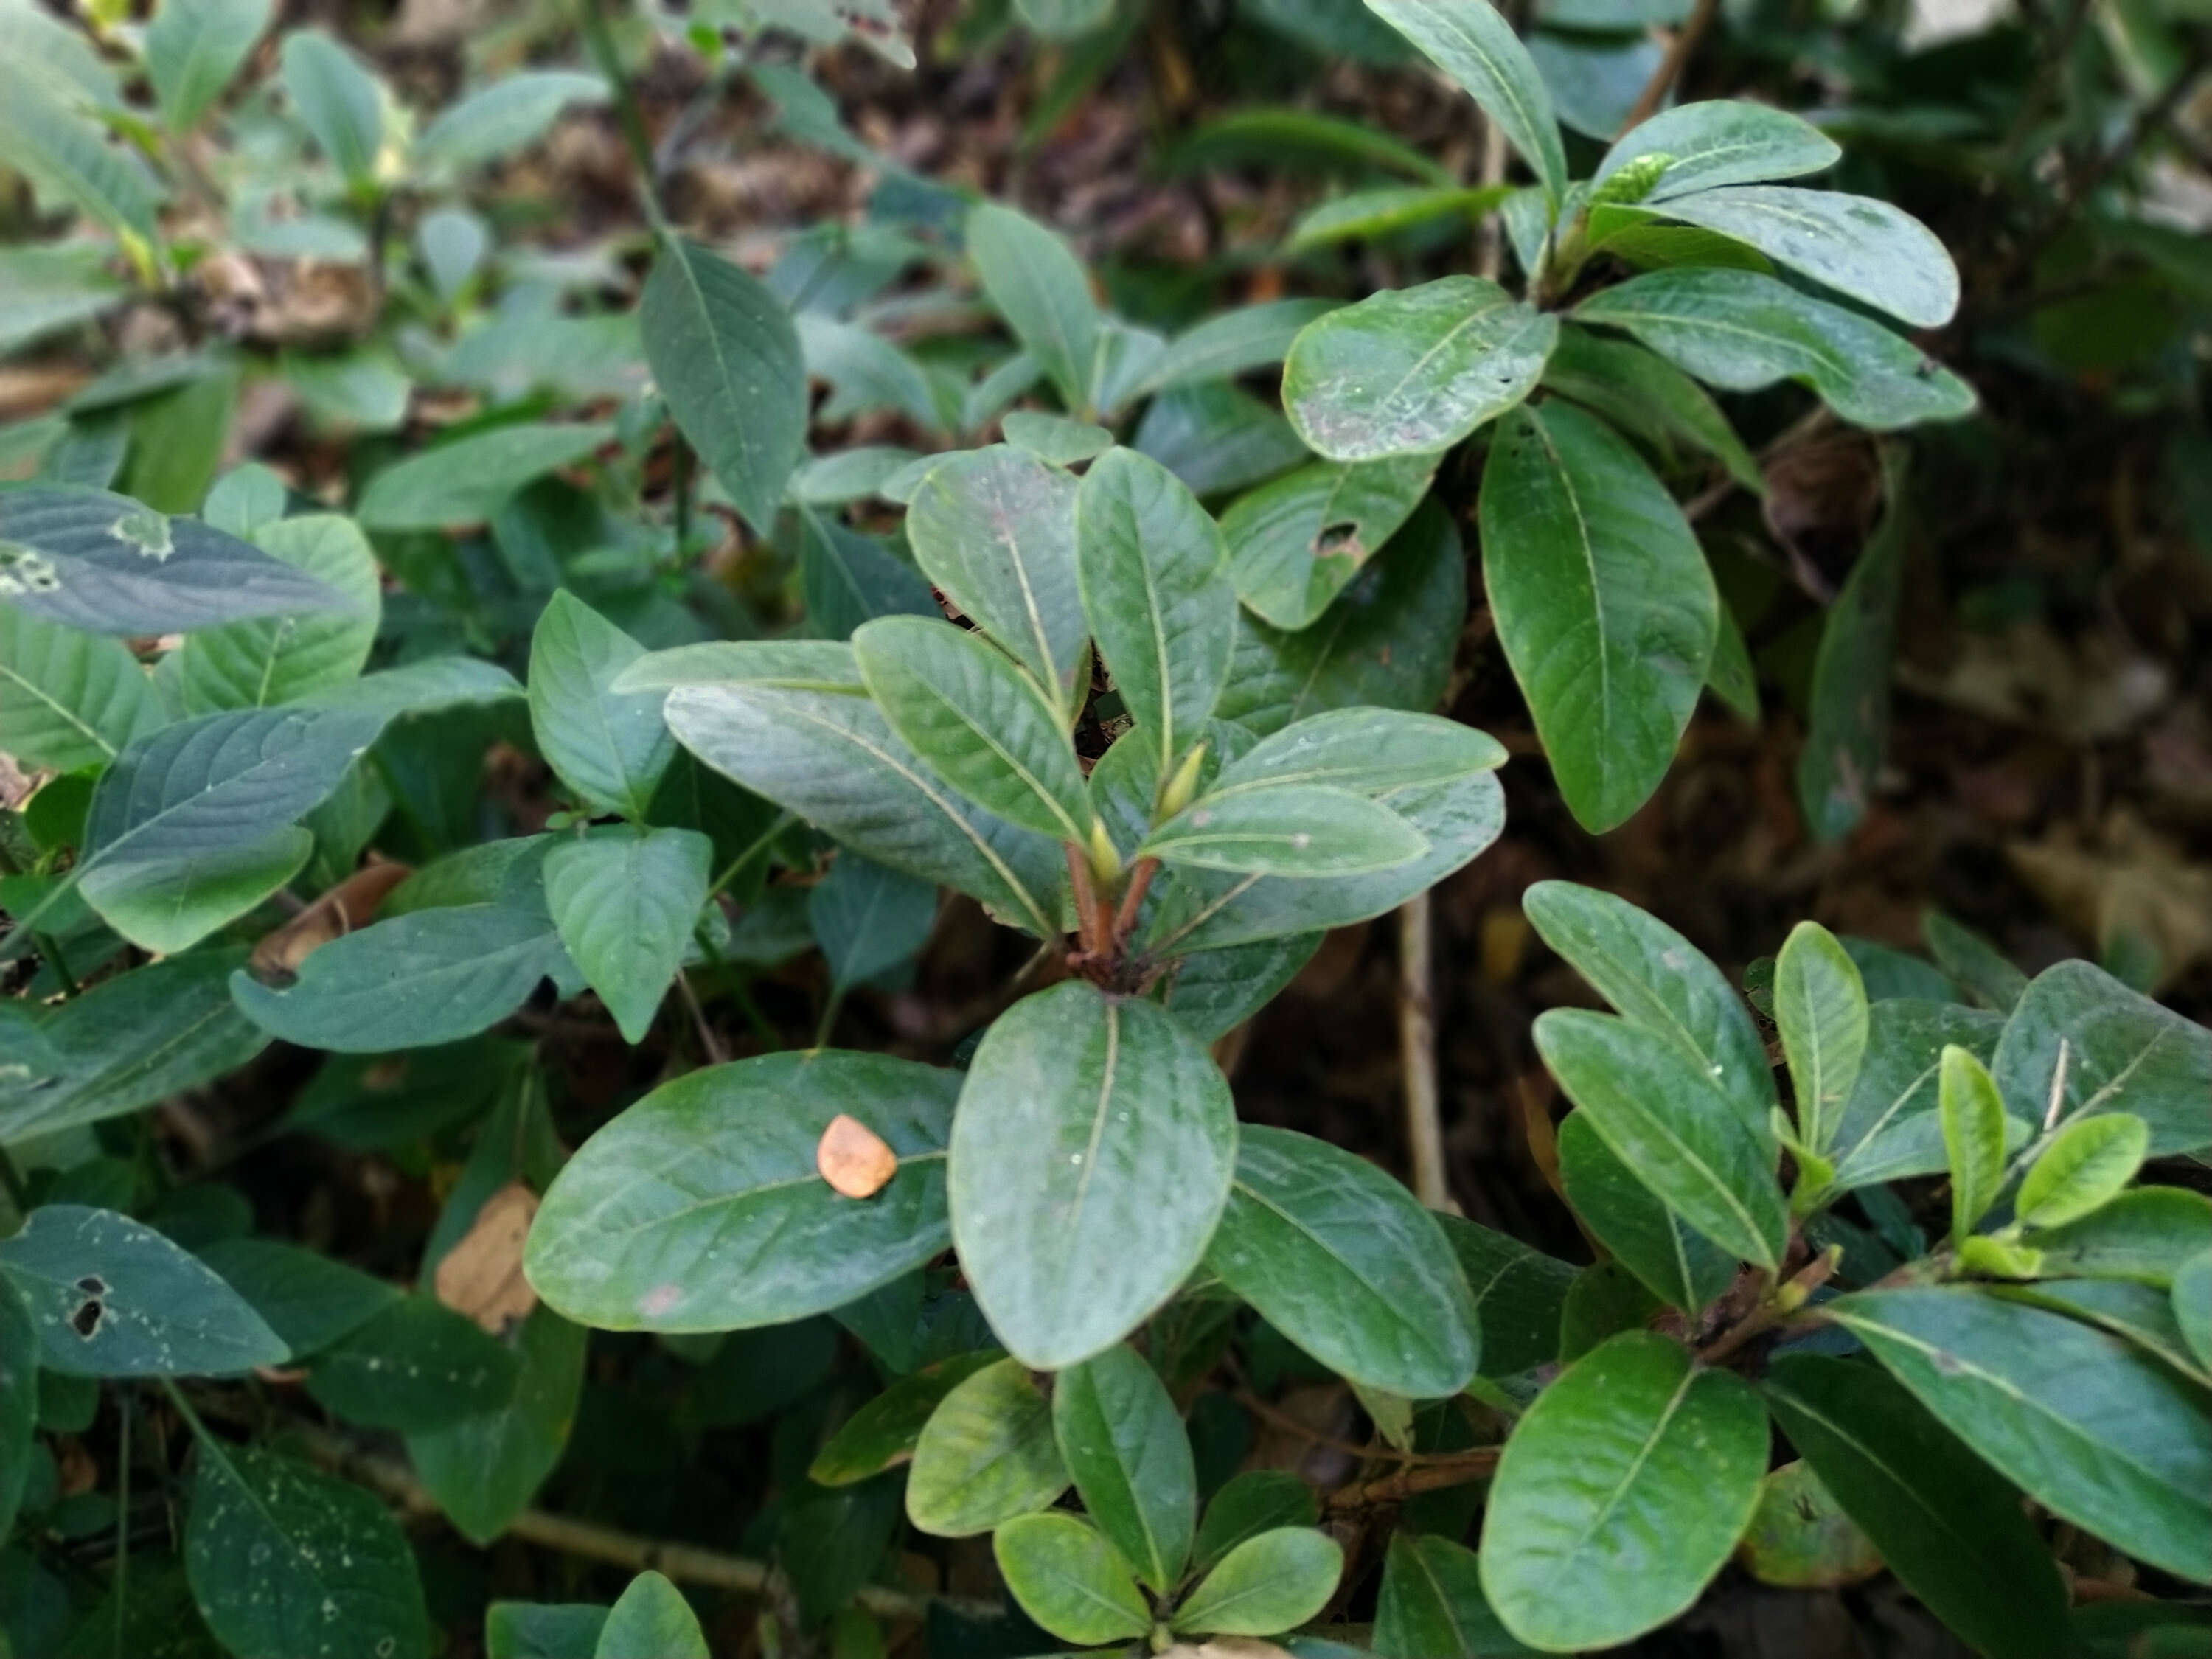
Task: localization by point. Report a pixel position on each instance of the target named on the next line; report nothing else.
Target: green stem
(627, 115)
(122, 1522)
(760, 843)
(11, 1178)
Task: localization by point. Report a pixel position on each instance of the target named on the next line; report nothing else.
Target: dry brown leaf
(853, 1159)
(339, 911)
(1227, 1647)
(482, 1275)
(2136, 885)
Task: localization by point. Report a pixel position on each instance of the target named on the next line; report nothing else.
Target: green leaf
(1068, 1578)
(1412, 371)
(830, 757)
(994, 529)
(48, 288)
(1235, 342)
(1620, 1494)
(1213, 992)
(1055, 438)
(68, 699)
(1952, 1531)
(1064, 20)
(283, 1559)
(2097, 1433)
(1675, 1261)
(1645, 394)
(2081, 1038)
(266, 660)
(1431, 1604)
(1867, 249)
(1473, 44)
(1820, 1005)
(337, 100)
(1976, 964)
(507, 115)
(1604, 604)
(19, 1398)
(848, 579)
(868, 918)
(1340, 1258)
(1891, 1125)
(1123, 1442)
(1280, 138)
(113, 1298)
(1372, 752)
(610, 747)
(171, 904)
(1294, 830)
(1091, 1157)
(1973, 1139)
(1271, 1583)
(524, 1630)
(194, 47)
(2080, 1168)
(2143, 1314)
(415, 1366)
(1661, 1114)
(1725, 141)
(2193, 1305)
(624, 905)
(2145, 1235)
(470, 479)
(106, 564)
(1154, 574)
(986, 1456)
(700, 1209)
(1248, 1505)
(1518, 1295)
(985, 727)
(1367, 215)
(1657, 980)
(1848, 728)
(309, 1300)
(883, 1433)
(651, 1620)
(1801, 1539)
(1295, 544)
(1041, 289)
(43, 135)
(1741, 330)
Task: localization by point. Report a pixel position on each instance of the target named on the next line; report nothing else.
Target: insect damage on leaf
(26, 570)
(853, 1159)
(147, 531)
(481, 1276)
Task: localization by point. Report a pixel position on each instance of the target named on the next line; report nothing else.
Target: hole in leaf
(92, 1284)
(85, 1322)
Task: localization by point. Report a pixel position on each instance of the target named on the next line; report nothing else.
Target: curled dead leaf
(853, 1159)
(338, 912)
(482, 1275)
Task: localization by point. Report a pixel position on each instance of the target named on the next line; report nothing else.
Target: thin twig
(1776, 1306)
(1459, 1470)
(715, 1053)
(599, 40)
(1417, 1051)
(1671, 66)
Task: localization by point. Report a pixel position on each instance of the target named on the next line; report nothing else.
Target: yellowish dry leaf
(482, 1275)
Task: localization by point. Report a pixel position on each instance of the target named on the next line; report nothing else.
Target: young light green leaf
(624, 905)
(995, 529)
(1742, 330)
(1432, 1605)
(1340, 1259)
(2098, 1433)
(283, 1559)
(881, 1434)
(1675, 1262)
(1292, 830)
(1891, 1125)
(19, 1398)
(1604, 604)
(1153, 571)
(1620, 1494)
(1663, 1117)
(1069, 1579)
(1295, 544)
(986, 728)
(1271, 1583)
(1952, 1531)
(1090, 1159)
(470, 479)
(1973, 1138)
(2144, 1235)
(337, 100)
(1867, 249)
(1412, 371)
(1473, 44)
(415, 1365)
(651, 1620)
(1724, 141)
(610, 747)
(1645, 394)
(193, 48)
(266, 660)
(111, 1297)
(1043, 292)
(505, 116)
(986, 1456)
(1123, 1442)
(2080, 1168)
(1820, 1005)
(68, 699)
(2080, 1039)
(700, 1208)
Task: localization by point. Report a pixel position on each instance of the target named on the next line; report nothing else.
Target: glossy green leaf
(2097, 1433)
(1949, 1527)
(1620, 1494)
(1431, 1604)
(2080, 1037)
(19, 1398)
(2143, 1314)
(2146, 1236)
(1272, 1582)
(504, 116)
(651, 1620)
(1662, 1115)
(1068, 1578)
(1720, 142)
(309, 1300)
(1891, 1125)
(1091, 1157)
(1643, 394)
(283, 1559)
(1340, 1258)
(1372, 752)
(610, 747)
(1043, 292)
(700, 1208)
(1123, 1443)
(624, 905)
(1476, 47)
(1973, 1121)
(1517, 1294)
(470, 479)
(1677, 1263)
(1154, 575)
(1657, 980)
(1295, 544)
(1820, 1005)
(170, 904)
(337, 100)
(1603, 601)
(1860, 247)
(1235, 342)
(2080, 1168)
(68, 699)
(986, 1456)
(883, 1433)
(1365, 215)
(415, 1366)
(994, 529)
(1248, 1505)
(1412, 371)
(1293, 830)
(1741, 330)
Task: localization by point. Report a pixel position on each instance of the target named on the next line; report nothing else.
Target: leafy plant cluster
(1150, 679)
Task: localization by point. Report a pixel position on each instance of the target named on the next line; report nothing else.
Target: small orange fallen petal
(853, 1159)
(482, 1275)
